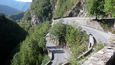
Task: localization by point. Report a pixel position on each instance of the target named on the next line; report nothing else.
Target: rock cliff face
(34, 19)
(78, 9)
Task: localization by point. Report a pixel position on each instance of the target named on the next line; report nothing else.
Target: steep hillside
(73, 8)
(11, 34)
(32, 49)
(36, 23)
(40, 11)
(63, 7)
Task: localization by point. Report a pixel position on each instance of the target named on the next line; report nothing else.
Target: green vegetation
(59, 30)
(109, 7)
(77, 42)
(101, 7)
(25, 22)
(62, 7)
(74, 39)
(11, 34)
(98, 46)
(32, 49)
(42, 9)
(95, 7)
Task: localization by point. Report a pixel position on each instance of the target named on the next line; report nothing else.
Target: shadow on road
(56, 51)
(52, 47)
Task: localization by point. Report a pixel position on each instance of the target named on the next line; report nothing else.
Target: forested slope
(36, 23)
(11, 34)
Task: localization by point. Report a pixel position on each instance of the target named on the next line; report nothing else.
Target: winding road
(82, 23)
(59, 55)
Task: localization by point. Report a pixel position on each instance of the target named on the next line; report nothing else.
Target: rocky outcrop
(78, 10)
(34, 19)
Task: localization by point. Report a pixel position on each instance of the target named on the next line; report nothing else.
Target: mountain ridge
(7, 10)
(22, 6)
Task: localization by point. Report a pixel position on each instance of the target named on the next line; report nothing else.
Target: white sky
(24, 0)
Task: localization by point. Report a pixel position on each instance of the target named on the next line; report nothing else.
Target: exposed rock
(78, 10)
(53, 2)
(34, 19)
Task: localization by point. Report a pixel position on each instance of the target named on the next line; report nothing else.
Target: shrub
(59, 30)
(75, 39)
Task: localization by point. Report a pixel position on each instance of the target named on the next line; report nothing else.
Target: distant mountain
(8, 10)
(22, 6)
(17, 17)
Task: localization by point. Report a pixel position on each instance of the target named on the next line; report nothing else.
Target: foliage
(100, 7)
(109, 7)
(41, 8)
(45, 61)
(74, 39)
(95, 7)
(25, 24)
(62, 7)
(59, 30)
(77, 42)
(32, 49)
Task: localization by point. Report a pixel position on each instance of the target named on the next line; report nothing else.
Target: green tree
(59, 30)
(95, 7)
(31, 50)
(42, 9)
(72, 37)
(109, 7)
